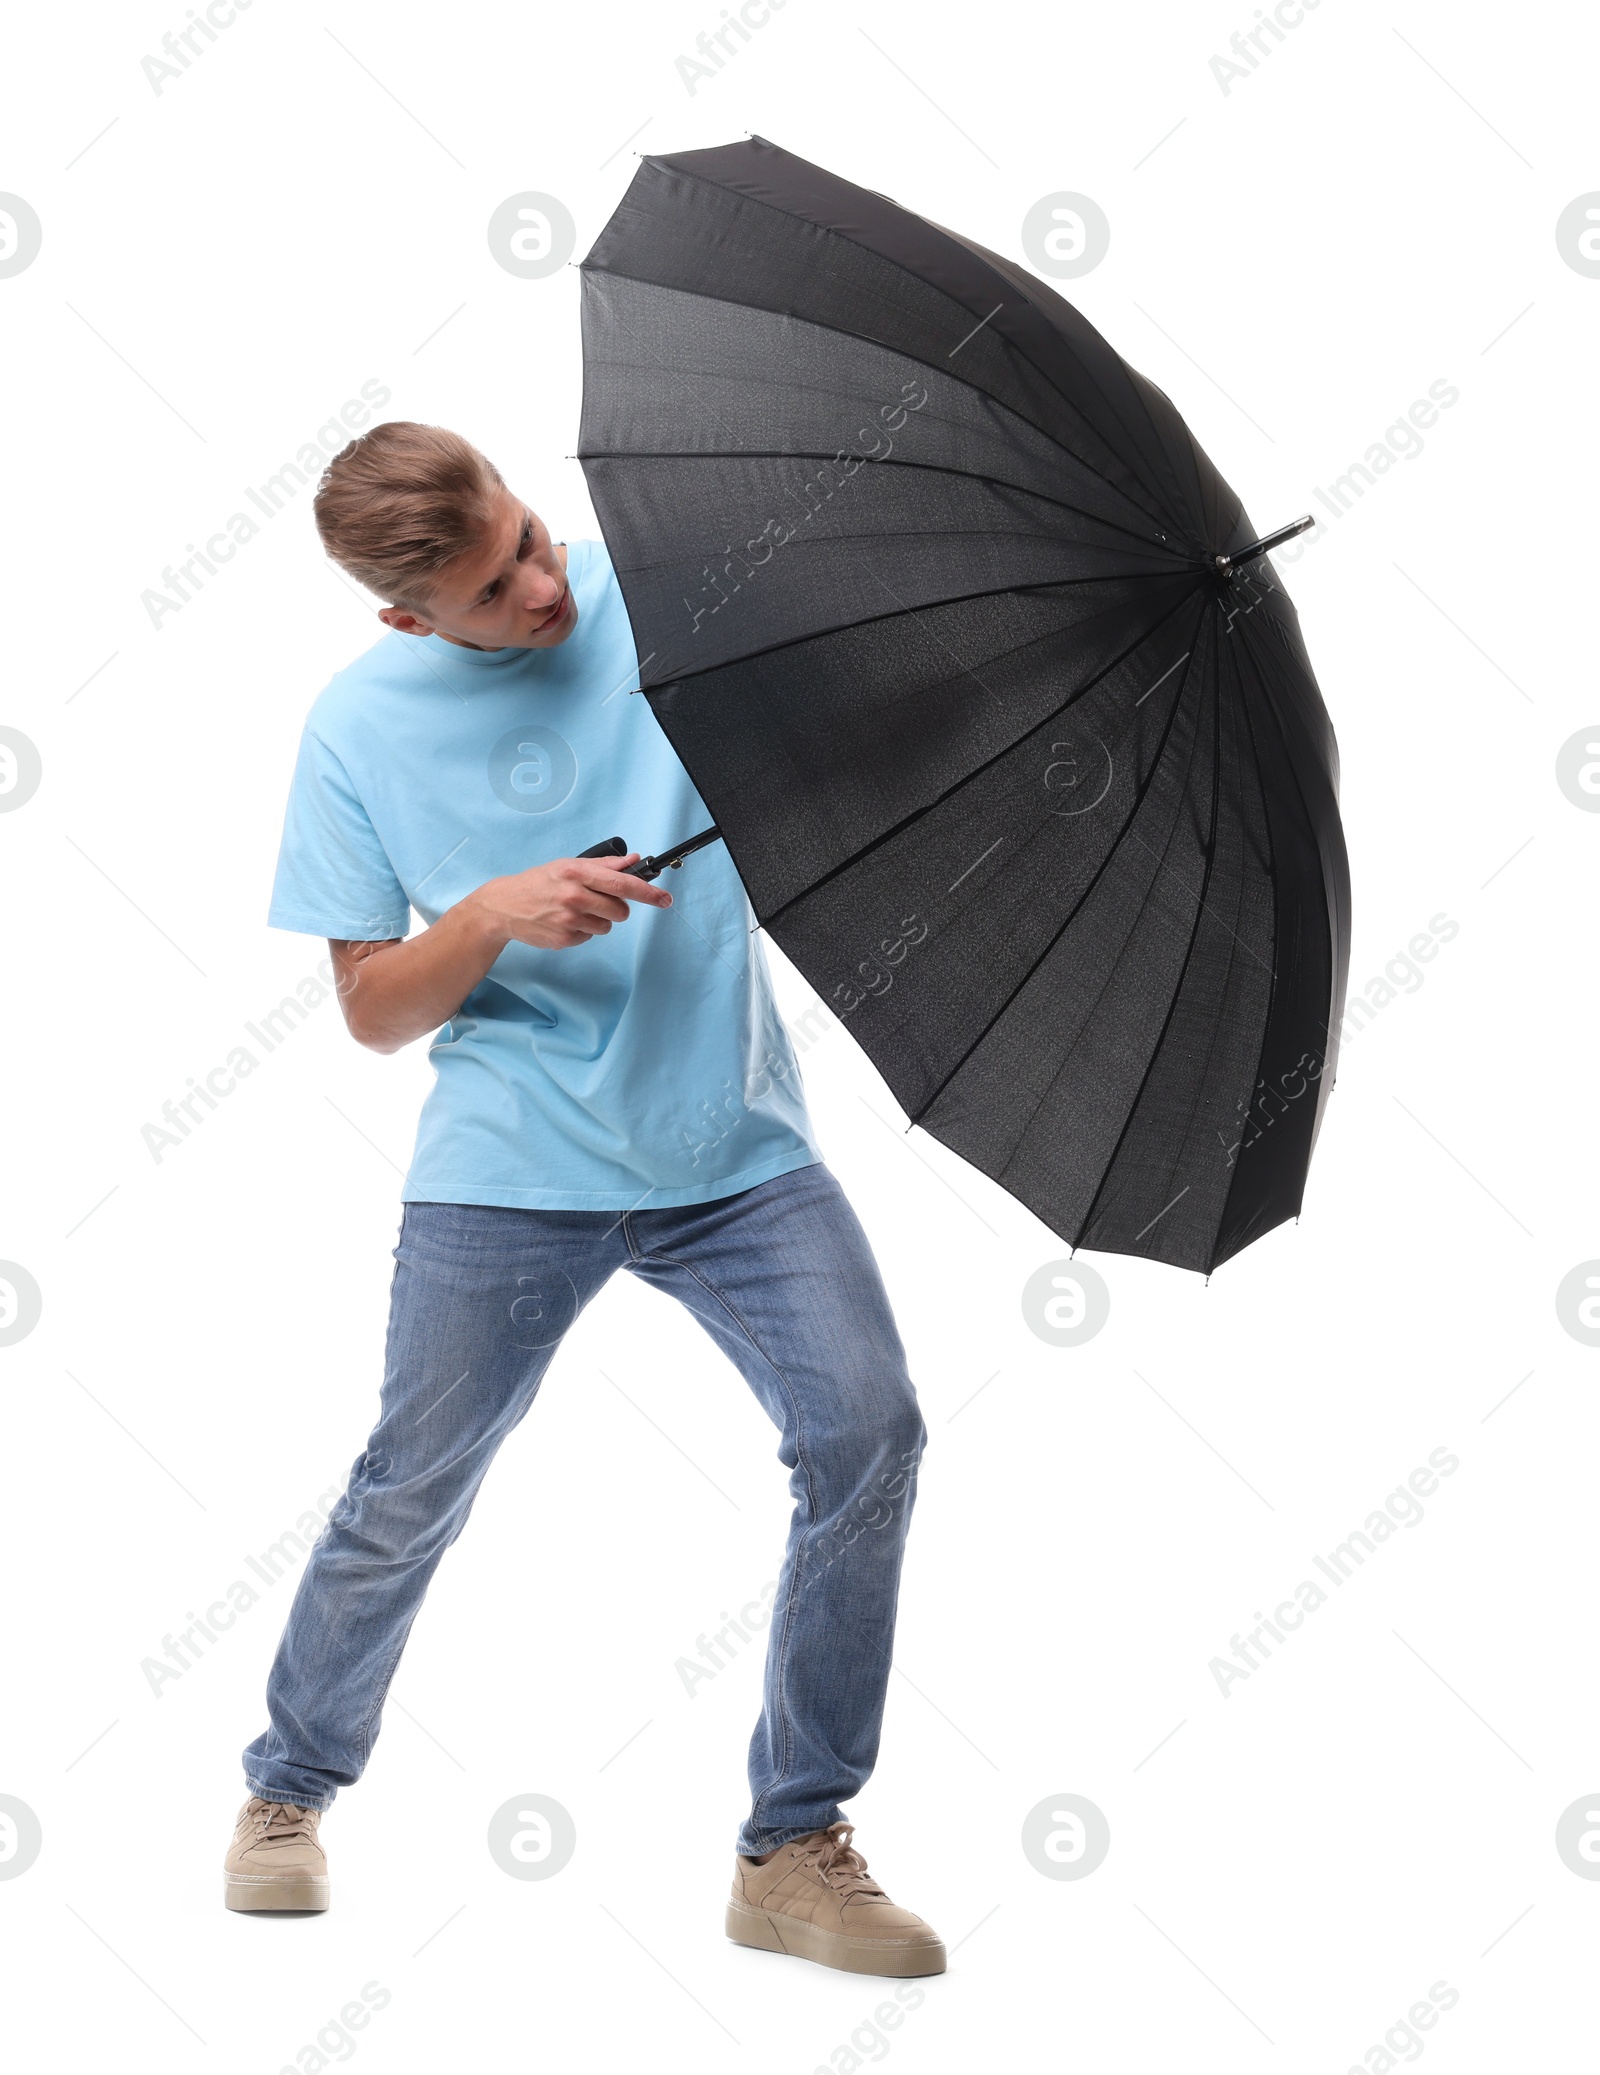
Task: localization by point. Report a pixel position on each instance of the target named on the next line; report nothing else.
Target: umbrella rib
(1139, 383)
(1127, 829)
(1272, 997)
(1183, 973)
(1135, 381)
(965, 475)
(1066, 923)
(977, 770)
(861, 338)
(660, 363)
(933, 367)
(1081, 366)
(1271, 700)
(1043, 583)
(1328, 1028)
(774, 648)
(1236, 705)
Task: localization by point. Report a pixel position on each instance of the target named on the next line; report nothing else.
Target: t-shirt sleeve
(334, 878)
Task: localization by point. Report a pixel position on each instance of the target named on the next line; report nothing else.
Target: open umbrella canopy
(941, 605)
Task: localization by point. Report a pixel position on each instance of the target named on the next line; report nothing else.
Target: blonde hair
(398, 505)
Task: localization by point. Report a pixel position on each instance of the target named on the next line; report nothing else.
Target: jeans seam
(811, 1499)
(364, 1733)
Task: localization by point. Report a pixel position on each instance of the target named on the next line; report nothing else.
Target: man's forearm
(401, 990)
(395, 992)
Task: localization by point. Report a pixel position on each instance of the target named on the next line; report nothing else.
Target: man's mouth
(554, 613)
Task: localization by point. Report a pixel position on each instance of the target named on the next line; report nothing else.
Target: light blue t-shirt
(646, 1068)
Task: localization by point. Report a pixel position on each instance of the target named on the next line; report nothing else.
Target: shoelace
(839, 1863)
(295, 1828)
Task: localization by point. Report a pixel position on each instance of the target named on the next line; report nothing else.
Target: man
(614, 1091)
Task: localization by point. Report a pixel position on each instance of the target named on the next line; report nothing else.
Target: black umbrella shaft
(652, 867)
(1262, 547)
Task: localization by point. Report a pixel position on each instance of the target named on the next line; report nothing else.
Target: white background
(1371, 210)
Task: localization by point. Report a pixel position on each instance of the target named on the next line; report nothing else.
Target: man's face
(512, 593)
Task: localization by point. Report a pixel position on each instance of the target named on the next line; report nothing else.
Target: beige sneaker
(815, 1899)
(275, 1861)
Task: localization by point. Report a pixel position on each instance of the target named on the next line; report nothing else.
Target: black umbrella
(1005, 718)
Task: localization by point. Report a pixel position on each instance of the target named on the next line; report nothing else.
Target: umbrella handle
(652, 867)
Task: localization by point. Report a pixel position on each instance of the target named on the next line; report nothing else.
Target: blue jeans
(782, 1278)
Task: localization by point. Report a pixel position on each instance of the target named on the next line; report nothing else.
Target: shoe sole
(766, 1932)
(248, 1893)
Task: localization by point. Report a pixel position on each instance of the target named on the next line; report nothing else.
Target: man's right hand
(558, 906)
(399, 990)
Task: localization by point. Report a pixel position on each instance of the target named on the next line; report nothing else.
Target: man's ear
(403, 620)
